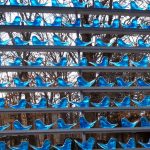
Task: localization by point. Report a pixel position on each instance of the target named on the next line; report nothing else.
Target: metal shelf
(72, 10)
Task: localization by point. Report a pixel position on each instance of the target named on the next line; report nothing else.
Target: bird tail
(34, 147)
(78, 143)
(94, 64)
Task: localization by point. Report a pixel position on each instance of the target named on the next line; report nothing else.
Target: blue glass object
(83, 103)
(59, 42)
(18, 126)
(127, 124)
(37, 3)
(144, 62)
(4, 127)
(15, 22)
(56, 23)
(62, 104)
(21, 104)
(144, 26)
(42, 103)
(2, 3)
(4, 84)
(61, 82)
(40, 83)
(125, 102)
(141, 43)
(144, 122)
(4, 42)
(16, 62)
(62, 62)
(85, 124)
(134, 6)
(23, 146)
(144, 102)
(121, 43)
(101, 43)
(41, 126)
(76, 24)
(95, 24)
(37, 41)
(103, 83)
(83, 83)
(77, 3)
(115, 24)
(98, 4)
(37, 21)
(17, 40)
(79, 42)
(116, 5)
(145, 145)
(141, 82)
(104, 62)
(130, 144)
(37, 62)
(14, 2)
(133, 24)
(65, 146)
(2, 145)
(2, 103)
(104, 123)
(121, 82)
(82, 62)
(20, 83)
(86, 145)
(111, 145)
(46, 145)
(55, 3)
(105, 102)
(124, 62)
(62, 125)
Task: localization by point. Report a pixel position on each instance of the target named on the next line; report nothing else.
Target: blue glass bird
(59, 42)
(17, 40)
(83, 83)
(21, 104)
(15, 22)
(127, 124)
(105, 102)
(86, 145)
(61, 82)
(130, 144)
(145, 145)
(37, 21)
(124, 103)
(56, 23)
(79, 42)
(41, 104)
(41, 126)
(23, 146)
(116, 5)
(144, 62)
(85, 124)
(37, 41)
(65, 146)
(115, 24)
(2, 103)
(82, 62)
(83, 103)
(55, 3)
(95, 24)
(16, 62)
(2, 145)
(103, 83)
(101, 43)
(18, 126)
(111, 145)
(141, 43)
(98, 4)
(77, 23)
(134, 6)
(15, 2)
(4, 42)
(62, 62)
(37, 3)
(148, 7)
(121, 82)
(124, 62)
(4, 127)
(141, 82)
(20, 83)
(144, 122)
(121, 43)
(4, 84)
(62, 125)
(46, 145)
(37, 62)
(144, 102)
(62, 104)
(104, 123)
(77, 3)
(40, 83)
(133, 24)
